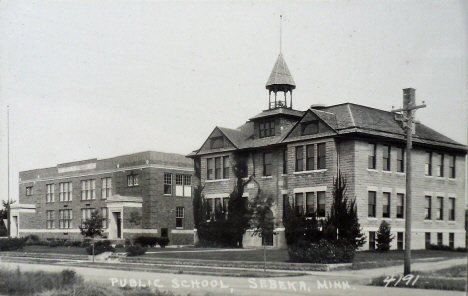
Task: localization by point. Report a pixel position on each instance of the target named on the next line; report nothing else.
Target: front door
(119, 225)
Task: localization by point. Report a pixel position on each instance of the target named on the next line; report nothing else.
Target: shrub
(100, 247)
(135, 250)
(322, 252)
(163, 241)
(384, 237)
(32, 239)
(11, 244)
(53, 243)
(460, 249)
(440, 248)
(85, 243)
(127, 243)
(147, 241)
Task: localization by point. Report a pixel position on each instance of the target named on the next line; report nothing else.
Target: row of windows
(314, 203)
(400, 240)
(183, 184)
(314, 157)
(386, 205)
(436, 160)
(218, 168)
(88, 190)
(372, 244)
(267, 128)
(386, 158)
(439, 208)
(217, 208)
(66, 217)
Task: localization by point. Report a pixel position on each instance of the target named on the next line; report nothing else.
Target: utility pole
(8, 177)
(409, 105)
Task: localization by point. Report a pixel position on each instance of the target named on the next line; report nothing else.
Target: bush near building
(384, 237)
(11, 244)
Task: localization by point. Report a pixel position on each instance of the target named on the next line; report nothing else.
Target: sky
(98, 79)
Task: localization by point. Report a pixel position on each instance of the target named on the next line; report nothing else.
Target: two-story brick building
(295, 155)
(147, 193)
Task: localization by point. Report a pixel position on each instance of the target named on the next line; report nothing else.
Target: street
(333, 283)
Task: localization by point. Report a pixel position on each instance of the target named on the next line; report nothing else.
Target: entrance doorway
(115, 227)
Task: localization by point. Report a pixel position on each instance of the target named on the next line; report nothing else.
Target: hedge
(11, 244)
(321, 252)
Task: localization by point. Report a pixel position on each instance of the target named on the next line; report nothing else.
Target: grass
(453, 279)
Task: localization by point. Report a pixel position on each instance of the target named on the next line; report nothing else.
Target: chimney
(409, 100)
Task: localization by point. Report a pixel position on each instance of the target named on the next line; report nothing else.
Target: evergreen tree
(342, 223)
(300, 229)
(384, 237)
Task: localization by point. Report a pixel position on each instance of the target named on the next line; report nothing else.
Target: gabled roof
(280, 74)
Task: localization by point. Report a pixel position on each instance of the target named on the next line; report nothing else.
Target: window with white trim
(452, 171)
(400, 205)
(66, 218)
(386, 157)
(183, 185)
(86, 214)
(451, 212)
(371, 159)
(400, 159)
(50, 219)
(105, 217)
(440, 208)
(180, 217)
(106, 190)
(88, 189)
(386, 205)
(132, 180)
(50, 197)
(167, 184)
(428, 208)
(65, 191)
(321, 204)
(29, 190)
(371, 203)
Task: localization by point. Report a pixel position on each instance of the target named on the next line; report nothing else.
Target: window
(132, 180)
(50, 193)
(267, 164)
(428, 165)
(164, 232)
(440, 240)
(386, 205)
(321, 204)
(310, 151)
(400, 159)
(105, 217)
(209, 168)
(267, 240)
(428, 240)
(218, 209)
(371, 240)
(371, 204)
(218, 169)
(428, 208)
(400, 209)
(88, 189)
(65, 193)
(29, 190)
(217, 142)
(386, 158)
(451, 209)
(86, 214)
(225, 207)
(285, 161)
(187, 185)
(209, 210)
(299, 204)
(226, 167)
(66, 219)
(310, 128)
(440, 208)
(267, 128)
(452, 173)
(440, 165)
(167, 184)
(309, 204)
(180, 215)
(400, 240)
(50, 219)
(371, 160)
(106, 190)
(321, 163)
(299, 158)
(452, 240)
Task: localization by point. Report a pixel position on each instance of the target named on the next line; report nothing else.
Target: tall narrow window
(179, 182)
(428, 208)
(267, 164)
(452, 173)
(285, 161)
(451, 209)
(386, 205)
(226, 167)
(88, 189)
(440, 165)
(180, 217)
(440, 239)
(225, 207)
(371, 204)
(371, 160)
(310, 151)
(299, 204)
(400, 160)
(428, 164)
(86, 214)
(105, 217)
(209, 208)
(452, 240)
(167, 184)
(50, 193)
(132, 180)
(106, 190)
(400, 240)
(309, 204)
(299, 158)
(209, 168)
(386, 157)
(187, 185)
(321, 160)
(428, 240)
(321, 204)
(50, 219)
(218, 209)
(65, 193)
(29, 190)
(400, 205)
(440, 208)
(218, 169)
(371, 240)
(66, 219)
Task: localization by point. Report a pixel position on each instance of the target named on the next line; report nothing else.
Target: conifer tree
(384, 237)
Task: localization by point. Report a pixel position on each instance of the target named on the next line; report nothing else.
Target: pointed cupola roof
(280, 77)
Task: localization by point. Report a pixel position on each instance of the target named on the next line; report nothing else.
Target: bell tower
(280, 81)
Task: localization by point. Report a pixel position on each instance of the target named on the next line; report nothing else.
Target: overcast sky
(98, 79)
